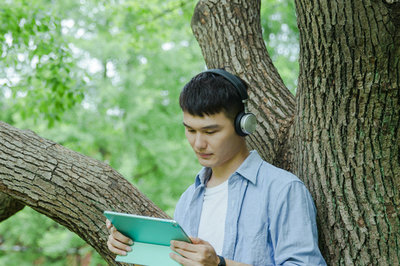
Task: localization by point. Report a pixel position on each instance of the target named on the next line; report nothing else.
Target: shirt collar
(203, 176)
(248, 169)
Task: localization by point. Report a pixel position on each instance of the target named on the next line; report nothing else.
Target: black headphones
(245, 122)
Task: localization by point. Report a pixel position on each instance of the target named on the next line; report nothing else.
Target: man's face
(213, 138)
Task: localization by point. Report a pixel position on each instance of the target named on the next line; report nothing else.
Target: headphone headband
(234, 80)
(245, 122)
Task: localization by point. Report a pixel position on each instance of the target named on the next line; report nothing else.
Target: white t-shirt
(213, 215)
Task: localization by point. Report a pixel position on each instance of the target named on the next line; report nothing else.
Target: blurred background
(103, 78)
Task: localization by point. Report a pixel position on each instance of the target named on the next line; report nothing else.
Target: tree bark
(344, 142)
(8, 206)
(229, 34)
(66, 186)
(347, 127)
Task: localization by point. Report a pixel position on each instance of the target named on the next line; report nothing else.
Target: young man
(240, 210)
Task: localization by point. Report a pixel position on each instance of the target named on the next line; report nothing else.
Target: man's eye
(190, 130)
(210, 132)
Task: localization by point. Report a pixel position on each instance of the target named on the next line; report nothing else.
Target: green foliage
(278, 20)
(103, 78)
(40, 240)
(36, 61)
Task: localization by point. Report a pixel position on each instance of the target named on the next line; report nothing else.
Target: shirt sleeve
(293, 227)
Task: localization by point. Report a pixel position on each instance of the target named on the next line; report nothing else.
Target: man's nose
(200, 142)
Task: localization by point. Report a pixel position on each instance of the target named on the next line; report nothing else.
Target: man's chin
(205, 163)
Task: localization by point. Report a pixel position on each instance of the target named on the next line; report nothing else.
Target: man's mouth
(204, 155)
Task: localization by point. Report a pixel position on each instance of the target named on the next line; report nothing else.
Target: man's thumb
(196, 240)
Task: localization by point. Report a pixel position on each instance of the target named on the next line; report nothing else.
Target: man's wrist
(221, 261)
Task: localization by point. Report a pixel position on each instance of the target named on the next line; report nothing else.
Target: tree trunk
(344, 142)
(347, 127)
(66, 186)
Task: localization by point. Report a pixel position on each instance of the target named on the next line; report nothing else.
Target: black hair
(208, 94)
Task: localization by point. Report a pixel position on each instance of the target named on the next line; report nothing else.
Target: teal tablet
(151, 238)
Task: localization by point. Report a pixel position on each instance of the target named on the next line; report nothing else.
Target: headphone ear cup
(238, 127)
(245, 123)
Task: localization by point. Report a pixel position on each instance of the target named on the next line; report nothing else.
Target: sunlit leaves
(278, 19)
(37, 68)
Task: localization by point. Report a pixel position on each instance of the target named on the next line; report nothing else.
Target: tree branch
(230, 36)
(8, 206)
(66, 186)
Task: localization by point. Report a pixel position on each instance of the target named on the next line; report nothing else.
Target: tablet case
(151, 238)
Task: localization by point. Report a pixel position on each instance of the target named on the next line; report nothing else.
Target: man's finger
(117, 247)
(192, 256)
(116, 250)
(196, 240)
(117, 244)
(180, 259)
(120, 237)
(108, 224)
(117, 235)
(183, 245)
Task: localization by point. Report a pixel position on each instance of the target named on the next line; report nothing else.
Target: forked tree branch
(230, 36)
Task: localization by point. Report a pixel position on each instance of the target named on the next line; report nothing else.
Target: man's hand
(200, 252)
(117, 243)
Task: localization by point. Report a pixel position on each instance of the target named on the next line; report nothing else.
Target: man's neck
(221, 173)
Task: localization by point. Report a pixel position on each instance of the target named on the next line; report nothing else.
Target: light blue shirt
(270, 217)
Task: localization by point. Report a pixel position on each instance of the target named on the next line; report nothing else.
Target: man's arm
(198, 253)
(293, 227)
